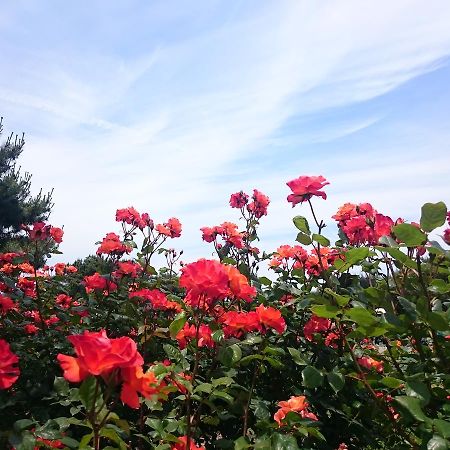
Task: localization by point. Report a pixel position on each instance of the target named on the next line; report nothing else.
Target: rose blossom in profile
(9, 372)
(305, 187)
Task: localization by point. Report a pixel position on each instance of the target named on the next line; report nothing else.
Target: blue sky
(171, 106)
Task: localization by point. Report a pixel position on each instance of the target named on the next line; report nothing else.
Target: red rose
(97, 355)
(9, 372)
(182, 444)
(304, 188)
(271, 318)
(171, 228)
(238, 200)
(205, 279)
(56, 234)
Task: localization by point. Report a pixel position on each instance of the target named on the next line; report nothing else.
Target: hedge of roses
(344, 346)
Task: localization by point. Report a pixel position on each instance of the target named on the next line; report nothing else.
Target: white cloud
(161, 129)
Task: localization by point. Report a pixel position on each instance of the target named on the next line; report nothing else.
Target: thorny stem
(247, 406)
(194, 375)
(40, 302)
(319, 225)
(427, 295)
(93, 417)
(395, 362)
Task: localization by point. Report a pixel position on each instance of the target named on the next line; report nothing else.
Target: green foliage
(348, 346)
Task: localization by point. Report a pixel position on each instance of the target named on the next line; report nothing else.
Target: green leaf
(303, 238)
(230, 355)
(312, 378)
(69, 442)
(246, 360)
(302, 224)
(412, 406)
(399, 256)
(252, 339)
(361, 316)
(297, 357)
(28, 442)
(263, 444)
(217, 336)
(284, 442)
(391, 382)
(409, 307)
(204, 387)
(437, 443)
(223, 396)
(177, 324)
(336, 380)
(23, 424)
(438, 321)
(112, 435)
(442, 427)
(409, 235)
(222, 381)
(439, 286)
(260, 409)
(274, 362)
(388, 241)
(327, 311)
(241, 443)
(85, 440)
(322, 240)
(433, 216)
(275, 351)
(87, 392)
(341, 300)
(265, 281)
(172, 352)
(61, 385)
(419, 390)
(354, 256)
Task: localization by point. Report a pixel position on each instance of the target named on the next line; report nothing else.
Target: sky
(171, 106)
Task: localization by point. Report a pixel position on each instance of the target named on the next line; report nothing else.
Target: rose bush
(344, 346)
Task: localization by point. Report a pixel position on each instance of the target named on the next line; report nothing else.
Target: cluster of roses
(105, 284)
(155, 299)
(116, 361)
(16, 264)
(208, 284)
(362, 224)
(296, 257)
(10, 265)
(228, 231)
(257, 207)
(171, 228)
(324, 327)
(41, 232)
(237, 323)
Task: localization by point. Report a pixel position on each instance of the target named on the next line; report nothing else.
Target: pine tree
(17, 206)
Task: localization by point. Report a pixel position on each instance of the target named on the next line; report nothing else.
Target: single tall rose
(304, 188)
